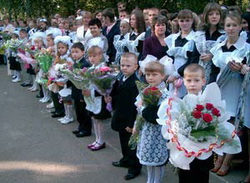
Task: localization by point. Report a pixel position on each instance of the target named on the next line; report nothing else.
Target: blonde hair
(155, 66)
(95, 50)
(130, 56)
(194, 68)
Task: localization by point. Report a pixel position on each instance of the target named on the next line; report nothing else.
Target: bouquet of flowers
(31, 50)
(5, 36)
(79, 77)
(44, 59)
(13, 45)
(196, 126)
(150, 97)
(2, 49)
(103, 79)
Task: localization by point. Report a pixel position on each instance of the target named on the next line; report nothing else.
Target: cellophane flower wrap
(13, 45)
(79, 77)
(103, 79)
(196, 126)
(44, 59)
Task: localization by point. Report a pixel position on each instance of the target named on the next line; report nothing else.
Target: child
(119, 40)
(38, 40)
(99, 112)
(123, 99)
(23, 36)
(194, 80)
(83, 118)
(14, 64)
(151, 139)
(51, 35)
(63, 44)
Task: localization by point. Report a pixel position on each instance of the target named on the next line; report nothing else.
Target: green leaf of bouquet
(208, 131)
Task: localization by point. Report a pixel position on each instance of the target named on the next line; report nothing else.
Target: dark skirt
(14, 64)
(30, 70)
(104, 114)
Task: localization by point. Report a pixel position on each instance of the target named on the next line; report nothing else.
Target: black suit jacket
(115, 30)
(123, 98)
(76, 93)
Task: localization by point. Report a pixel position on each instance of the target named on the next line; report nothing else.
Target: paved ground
(36, 148)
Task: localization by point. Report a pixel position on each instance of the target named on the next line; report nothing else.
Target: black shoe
(119, 164)
(75, 132)
(57, 115)
(83, 134)
(130, 176)
(25, 84)
(39, 96)
(53, 112)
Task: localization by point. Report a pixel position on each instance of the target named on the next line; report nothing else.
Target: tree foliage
(38, 8)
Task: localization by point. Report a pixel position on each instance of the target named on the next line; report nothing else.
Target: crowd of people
(206, 48)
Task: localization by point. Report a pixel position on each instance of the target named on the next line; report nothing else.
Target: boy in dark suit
(83, 118)
(123, 98)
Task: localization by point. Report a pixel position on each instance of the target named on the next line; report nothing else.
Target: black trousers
(198, 173)
(83, 117)
(129, 156)
(1, 59)
(59, 108)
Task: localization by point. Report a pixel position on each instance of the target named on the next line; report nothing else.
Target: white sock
(150, 171)
(158, 174)
(70, 111)
(18, 74)
(44, 92)
(66, 110)
(95, 129)
(100, 131)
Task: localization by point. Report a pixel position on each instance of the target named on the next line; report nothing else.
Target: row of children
(185, 47)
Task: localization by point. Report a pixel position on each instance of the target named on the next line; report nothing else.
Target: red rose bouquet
(196, 126)
(203, 121)
(151, 96)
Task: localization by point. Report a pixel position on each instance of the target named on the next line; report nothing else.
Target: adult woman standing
(135, 40)
(83, 32)
(229, 55)
(206, 38)
(180, 48)
(96, 38)
(155, 45)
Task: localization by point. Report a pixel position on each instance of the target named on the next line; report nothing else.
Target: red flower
(151, 90)
(209, 106)
(197, 114)
(33, 48)
(216, 112)
(207, 117)
(199, 107)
